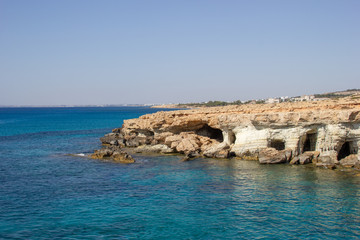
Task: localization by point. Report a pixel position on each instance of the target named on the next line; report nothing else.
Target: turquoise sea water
(46, 194)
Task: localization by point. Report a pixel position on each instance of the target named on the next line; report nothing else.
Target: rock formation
(113, 153)
(323, 132)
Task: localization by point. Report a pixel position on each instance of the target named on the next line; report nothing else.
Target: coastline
(174, 106)
(325, 134)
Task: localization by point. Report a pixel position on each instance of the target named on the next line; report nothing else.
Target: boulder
(114, 139)
(305, 158)
(295, 160)
(138, 141)
(117, 130)
(158, 148)
(327, 162)
(162, 136)
(221, 150)
(112, 153)
(249, 156)
(357, 165)
(188, 145)
(122, 157)
(350, 161)
(225, 153)
(271, 156)
(172, 140)
(102, 153)
(108, 138)
(184, 142)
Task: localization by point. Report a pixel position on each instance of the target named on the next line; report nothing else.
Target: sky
(67, 52)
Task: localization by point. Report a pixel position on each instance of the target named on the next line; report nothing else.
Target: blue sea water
(47, 194)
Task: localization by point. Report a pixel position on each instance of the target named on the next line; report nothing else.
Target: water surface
(45, 194)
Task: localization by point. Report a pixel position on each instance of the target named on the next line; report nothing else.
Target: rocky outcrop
(300, 133)
(327, 162)
(113, 153)
(350, 161)
(305, 158)
(271, 155)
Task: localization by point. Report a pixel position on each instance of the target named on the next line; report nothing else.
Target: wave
(77, 154)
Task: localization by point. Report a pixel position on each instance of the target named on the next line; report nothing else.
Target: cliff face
(328, 129)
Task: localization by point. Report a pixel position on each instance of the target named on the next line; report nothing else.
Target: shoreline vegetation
(314, 97)
(323, 133)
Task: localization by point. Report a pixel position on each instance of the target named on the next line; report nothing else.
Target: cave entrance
(210, 132)
(277, 144)
(346, 149)
(310, 142)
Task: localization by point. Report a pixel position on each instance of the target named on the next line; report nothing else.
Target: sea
(46, 193)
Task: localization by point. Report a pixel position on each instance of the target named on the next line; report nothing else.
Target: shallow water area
(47, 194)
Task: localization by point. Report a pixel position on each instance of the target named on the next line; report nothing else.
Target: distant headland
(303, 98)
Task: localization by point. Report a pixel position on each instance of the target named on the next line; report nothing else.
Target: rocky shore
(324, 133)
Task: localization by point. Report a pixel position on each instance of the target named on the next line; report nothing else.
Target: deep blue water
(46, 194)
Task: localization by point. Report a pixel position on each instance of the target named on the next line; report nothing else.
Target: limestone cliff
(322, 132)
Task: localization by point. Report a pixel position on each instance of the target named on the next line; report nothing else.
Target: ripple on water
(45, 194)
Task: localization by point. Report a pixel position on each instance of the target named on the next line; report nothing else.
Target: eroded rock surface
(305, 158)
(350, 161)
(271, 155)
(300, 133)
(113, 153)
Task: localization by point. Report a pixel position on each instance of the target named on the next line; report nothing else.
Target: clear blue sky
(115, 52)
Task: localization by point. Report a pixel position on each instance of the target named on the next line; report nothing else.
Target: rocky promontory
(325, 133)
